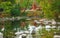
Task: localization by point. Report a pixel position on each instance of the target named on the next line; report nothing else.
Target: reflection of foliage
(15, 11)
(46, 7)
(9, 8)
(26, 24)
(36, 13)
(50, 8)
(26, 3)
(24, 14)
(6, 6)
(15, 24)
(8, 32)
(56, 9)
(45, 34)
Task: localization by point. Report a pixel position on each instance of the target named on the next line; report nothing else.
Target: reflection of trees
(35, 14)
(51, 9)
